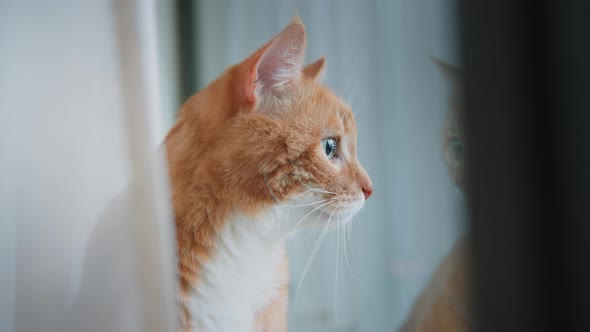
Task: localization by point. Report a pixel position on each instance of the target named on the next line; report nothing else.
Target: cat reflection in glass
(443, 305)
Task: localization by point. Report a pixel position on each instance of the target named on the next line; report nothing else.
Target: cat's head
(453, 133)
(267, 133)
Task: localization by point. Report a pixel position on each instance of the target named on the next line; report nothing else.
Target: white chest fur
(239, 280)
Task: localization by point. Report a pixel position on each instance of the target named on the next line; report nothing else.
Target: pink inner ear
(282, 61)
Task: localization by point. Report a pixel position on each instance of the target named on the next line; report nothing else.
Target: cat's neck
(240, 279)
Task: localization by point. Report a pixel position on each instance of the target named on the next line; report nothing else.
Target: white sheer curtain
(379, 59)
(80, 124)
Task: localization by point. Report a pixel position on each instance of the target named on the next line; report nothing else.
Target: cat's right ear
(452, 73)
(274, 65)
(315, 70)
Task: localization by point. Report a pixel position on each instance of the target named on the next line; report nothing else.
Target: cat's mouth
(351, 208)
(321, 208)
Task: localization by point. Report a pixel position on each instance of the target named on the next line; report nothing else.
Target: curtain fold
(81, 121)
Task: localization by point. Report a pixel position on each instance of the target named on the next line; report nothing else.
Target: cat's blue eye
(329, 146)
(456, 146)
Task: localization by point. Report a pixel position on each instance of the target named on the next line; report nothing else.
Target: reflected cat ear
(452, 73)
(315, 70)
(274, 65)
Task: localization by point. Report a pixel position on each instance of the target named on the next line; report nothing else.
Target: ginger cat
(263, 150)
(443, 305)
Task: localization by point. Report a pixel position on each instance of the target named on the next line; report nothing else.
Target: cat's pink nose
(368, 190)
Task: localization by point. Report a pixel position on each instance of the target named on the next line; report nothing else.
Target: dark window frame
(527, 86)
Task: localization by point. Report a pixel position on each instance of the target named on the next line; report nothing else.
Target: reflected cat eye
(456, 146)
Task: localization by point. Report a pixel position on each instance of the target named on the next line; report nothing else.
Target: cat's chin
(331, 222)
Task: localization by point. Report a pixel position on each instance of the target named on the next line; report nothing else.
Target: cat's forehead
(335, 112)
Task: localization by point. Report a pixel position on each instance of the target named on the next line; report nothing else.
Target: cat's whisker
(346, 227)
(316, 219)
(337, 266)
(312, 257)
(289, 205)
(307, 192)
(324, 192)
(311, 191)
(310, 212)
(350, 239)
(318, 190)
(352, 99)
(306, 204)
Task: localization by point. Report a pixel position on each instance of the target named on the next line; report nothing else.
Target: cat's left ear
(274, 65)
